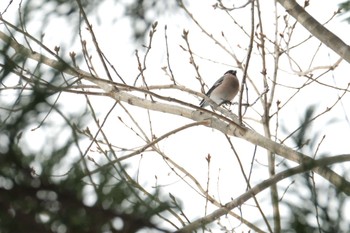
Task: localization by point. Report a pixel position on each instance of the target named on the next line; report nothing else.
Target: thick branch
(213, 120)
(260, 187)
(316, 29)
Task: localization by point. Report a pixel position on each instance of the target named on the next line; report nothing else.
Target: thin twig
(261, 187)
(172, 77)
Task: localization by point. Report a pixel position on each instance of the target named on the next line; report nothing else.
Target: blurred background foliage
(37, 201)
(316, 205)
(33, 201)
(345, 7)
(141, 13)
(33, 198)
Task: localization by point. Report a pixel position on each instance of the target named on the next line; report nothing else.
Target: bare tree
(120, 153)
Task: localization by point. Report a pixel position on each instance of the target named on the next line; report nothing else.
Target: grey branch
(316, 29)
(260, 187)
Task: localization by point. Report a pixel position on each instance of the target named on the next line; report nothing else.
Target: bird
(223, 90)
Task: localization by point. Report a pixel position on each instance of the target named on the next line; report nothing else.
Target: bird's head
(233, 72)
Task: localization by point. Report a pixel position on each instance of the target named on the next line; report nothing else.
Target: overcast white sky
(189, 148)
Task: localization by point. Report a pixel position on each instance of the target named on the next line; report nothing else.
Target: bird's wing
(216, 84)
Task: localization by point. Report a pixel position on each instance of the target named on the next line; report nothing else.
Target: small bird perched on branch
(223, 90)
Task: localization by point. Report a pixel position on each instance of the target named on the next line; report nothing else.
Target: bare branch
(317, 29)
(260, 187)
(213, 120)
